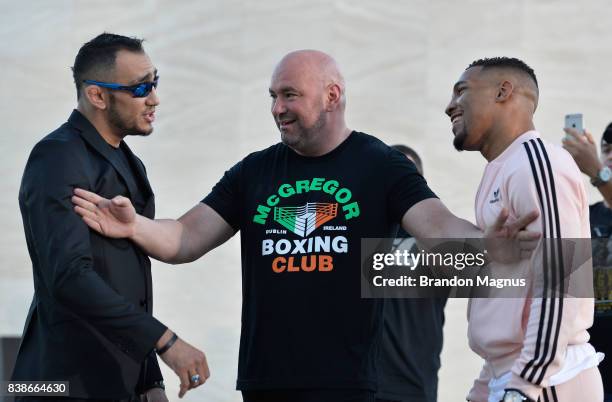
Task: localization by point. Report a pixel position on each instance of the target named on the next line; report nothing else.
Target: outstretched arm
(174, 241)
(429, 221)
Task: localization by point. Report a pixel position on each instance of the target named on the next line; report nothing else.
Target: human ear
(504, 91)
(96, 96)
(334, 96)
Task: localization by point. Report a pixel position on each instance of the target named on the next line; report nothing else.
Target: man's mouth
(455, 117)
(285, 123)
(150, 117)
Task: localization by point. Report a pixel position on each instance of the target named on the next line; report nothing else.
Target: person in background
(411, 154)
(584, 151)
(412, 334)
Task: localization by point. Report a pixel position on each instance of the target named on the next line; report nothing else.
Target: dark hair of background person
(96, 58)
(607, 134)
(406, 150)
(505, 62)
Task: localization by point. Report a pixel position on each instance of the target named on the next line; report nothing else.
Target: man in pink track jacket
(535, 347)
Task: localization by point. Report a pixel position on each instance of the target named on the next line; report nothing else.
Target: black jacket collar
(97, 142)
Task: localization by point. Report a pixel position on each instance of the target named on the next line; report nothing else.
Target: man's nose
(153, 98)
(450, 107)
(278, 107)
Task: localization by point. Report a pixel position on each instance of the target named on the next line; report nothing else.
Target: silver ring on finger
(195, 379)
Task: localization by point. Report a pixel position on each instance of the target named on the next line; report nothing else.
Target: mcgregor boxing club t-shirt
(304, 323)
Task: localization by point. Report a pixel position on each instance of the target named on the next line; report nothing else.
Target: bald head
(319, 69)
(308, 102)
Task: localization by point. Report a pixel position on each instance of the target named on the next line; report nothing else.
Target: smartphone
(574, 121)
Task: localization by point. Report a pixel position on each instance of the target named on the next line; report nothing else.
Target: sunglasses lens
(141, 90)
(144, 89)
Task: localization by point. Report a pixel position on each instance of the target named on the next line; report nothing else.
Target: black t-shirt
(601, 220)
(139, 199)
(304, 323)
(601, 233)
(411, 343)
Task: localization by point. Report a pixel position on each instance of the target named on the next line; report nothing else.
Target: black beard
(123, 127)
(459, 141)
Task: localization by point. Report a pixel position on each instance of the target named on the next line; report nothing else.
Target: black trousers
(309, 395)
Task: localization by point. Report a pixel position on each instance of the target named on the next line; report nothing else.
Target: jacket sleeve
(552, 317)
(60, 247)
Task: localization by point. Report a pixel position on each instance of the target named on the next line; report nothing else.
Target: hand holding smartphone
(573, 121)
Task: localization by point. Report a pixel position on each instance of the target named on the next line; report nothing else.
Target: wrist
(166, 346)
(163, 340)
(604, 175)
(594, 170)
(135, 227)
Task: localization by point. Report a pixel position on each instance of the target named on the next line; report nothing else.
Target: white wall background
(400, 60)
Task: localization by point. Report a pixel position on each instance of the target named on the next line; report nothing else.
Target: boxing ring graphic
(305, 219)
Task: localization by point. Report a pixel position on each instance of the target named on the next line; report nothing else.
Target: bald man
(302, 206)
(535, 348)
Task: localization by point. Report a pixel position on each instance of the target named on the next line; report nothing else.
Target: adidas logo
(496, 197)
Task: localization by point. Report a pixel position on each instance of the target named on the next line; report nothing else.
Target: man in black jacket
(90, 322)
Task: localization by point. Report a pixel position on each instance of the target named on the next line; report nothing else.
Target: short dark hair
(607, 135)
(406, 150)
(97, 57)
(505, 62)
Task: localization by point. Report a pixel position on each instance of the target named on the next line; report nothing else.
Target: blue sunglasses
(141, 90)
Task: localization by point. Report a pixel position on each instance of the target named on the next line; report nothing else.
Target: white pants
(584, 387)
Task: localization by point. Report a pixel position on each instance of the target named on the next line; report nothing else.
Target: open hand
(511, 242)
(113, 218)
